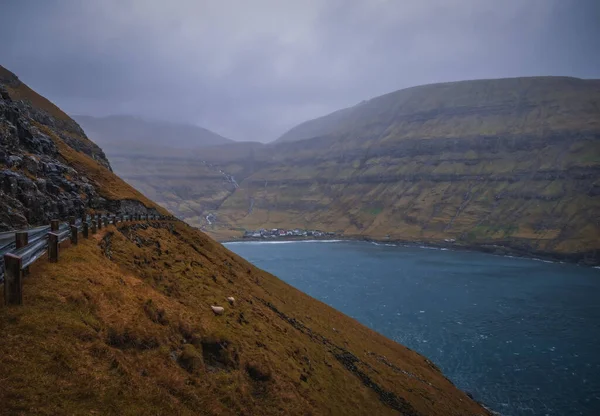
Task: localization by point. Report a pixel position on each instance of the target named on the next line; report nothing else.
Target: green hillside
(509, 164)
(511, 106)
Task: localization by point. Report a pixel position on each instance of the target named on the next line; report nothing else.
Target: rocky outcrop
(36, 183)
(36, 108)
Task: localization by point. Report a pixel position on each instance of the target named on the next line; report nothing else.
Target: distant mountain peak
(137, 129)
(407, 109)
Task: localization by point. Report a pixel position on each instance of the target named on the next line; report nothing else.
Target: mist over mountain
(124, 129)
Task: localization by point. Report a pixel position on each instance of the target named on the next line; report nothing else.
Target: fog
(250, 70)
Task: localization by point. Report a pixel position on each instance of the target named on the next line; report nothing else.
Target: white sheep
(218, 310)
(231, 300)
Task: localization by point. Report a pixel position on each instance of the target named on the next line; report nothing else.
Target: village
(283, 233)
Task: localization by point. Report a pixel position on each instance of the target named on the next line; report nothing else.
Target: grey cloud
(251, 70)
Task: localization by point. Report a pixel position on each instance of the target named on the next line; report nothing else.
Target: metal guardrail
(35, 242)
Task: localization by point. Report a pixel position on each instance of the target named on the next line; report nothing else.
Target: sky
(252, 69)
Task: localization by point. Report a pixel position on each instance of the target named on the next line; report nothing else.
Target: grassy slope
(509, 106)
(513, 162)
(509, 196)
(134, 334)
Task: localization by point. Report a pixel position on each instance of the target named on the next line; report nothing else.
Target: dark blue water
(523, 336)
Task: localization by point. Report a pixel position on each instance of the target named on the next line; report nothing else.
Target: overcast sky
(251, 69)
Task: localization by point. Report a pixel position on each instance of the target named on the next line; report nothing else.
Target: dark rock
(14, 161)
(31, 164)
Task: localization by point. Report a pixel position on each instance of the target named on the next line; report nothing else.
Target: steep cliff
(48, 167)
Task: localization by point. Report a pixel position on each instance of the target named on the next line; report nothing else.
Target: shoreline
(495, 249)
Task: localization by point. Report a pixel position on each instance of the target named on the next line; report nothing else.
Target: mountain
(127, 130)
(161, 160)
(506, 166)
(122, 323)
(534, 106)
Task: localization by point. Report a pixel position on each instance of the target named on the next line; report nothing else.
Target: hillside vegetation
(122, 324)
(503, 165)
(507, 165)
(533, 106)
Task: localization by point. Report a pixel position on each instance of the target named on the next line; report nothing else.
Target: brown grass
(134, 334)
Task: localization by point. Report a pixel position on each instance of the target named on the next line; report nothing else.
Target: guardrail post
(85, 229)
(99, 222)
(94, 226)
(74, 232)
(52, 247)
(22, 239)
(106, 221)
(71, 220)
(13, 288)
(54, 225)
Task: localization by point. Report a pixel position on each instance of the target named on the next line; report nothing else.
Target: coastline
(581, 259)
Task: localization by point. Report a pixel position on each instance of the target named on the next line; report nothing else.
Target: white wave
(434, 248)
(383, 244)
(543, 261)
(282, 242)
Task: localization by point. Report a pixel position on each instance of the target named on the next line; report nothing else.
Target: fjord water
(523, 336)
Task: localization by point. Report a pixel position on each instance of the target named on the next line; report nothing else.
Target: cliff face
(39, 110)
(48, 167)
